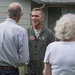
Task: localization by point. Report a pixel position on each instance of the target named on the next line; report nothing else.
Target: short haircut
(38, 9)
(15, 12)
(65, 27)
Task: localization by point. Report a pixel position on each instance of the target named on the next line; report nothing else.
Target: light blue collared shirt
(14, 49)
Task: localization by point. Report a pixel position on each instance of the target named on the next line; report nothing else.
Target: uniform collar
(43, 30)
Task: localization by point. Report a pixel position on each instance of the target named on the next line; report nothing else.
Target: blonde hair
(65, 27)
(38, 9)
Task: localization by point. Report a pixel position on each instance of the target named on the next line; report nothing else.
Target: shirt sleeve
(23, 48)
(47, 55)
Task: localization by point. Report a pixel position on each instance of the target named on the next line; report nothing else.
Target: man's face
(37, 18)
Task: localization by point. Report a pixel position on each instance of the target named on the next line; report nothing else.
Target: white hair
(65, 27)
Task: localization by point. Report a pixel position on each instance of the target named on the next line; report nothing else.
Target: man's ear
(43, 17)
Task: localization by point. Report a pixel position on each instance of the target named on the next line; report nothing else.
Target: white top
(13, 44)
(37, 32)
(61, 56)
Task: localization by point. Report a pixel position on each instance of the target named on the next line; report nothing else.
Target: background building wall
(53, 11)
(25, 20)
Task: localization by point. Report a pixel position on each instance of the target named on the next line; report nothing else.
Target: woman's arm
(47, 69)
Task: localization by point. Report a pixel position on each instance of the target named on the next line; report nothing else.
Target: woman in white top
(60, 55)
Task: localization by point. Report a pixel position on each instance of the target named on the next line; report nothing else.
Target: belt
(7, 67)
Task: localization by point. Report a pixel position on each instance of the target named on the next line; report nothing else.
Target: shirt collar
(10, 19)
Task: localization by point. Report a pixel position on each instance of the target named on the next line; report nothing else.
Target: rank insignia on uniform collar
(31, 37)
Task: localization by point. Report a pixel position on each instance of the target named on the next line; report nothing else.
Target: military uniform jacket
(37, 46)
